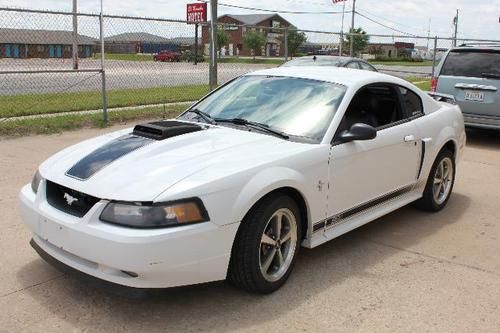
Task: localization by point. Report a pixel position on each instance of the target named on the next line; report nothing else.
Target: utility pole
(342, 29)
(74, 51)
(213, 45)
(351, 51)
(455, 21)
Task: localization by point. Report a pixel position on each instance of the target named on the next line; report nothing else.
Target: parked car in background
(231, 189)
(169, 56)
(471, 73)
(334, 61)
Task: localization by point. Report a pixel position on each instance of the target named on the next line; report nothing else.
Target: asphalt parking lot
(408, 271)
(132, 74)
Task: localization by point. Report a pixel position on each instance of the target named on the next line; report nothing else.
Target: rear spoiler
(442, 97)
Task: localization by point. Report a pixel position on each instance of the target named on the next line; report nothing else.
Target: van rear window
(472, 63)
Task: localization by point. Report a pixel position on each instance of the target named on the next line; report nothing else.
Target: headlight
(35, 182)
(140, 215)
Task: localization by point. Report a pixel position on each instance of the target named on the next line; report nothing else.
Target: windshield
(472, 63)
(296, 107)
(320, 61)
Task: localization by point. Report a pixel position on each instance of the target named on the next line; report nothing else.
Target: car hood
(146, 172)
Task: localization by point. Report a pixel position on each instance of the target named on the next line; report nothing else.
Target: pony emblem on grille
(69, 199)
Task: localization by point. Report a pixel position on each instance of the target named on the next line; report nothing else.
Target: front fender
(265, 182)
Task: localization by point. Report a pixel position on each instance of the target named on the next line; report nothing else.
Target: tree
(223, 39)
(254, 40)
(295, 41)
(361, 40)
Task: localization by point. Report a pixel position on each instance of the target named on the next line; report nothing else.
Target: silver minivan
(471, 73)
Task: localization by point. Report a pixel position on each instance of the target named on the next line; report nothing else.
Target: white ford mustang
(232, 188)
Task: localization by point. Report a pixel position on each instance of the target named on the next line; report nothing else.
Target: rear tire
(266, 246)
(440, 183)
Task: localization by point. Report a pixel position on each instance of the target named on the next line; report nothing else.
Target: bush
(188, 56)
(388, 59)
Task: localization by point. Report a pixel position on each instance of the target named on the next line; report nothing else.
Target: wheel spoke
(267, 240)
(437, 181)
(286, 237)
(446, 173)
(270, 257)
(277, 226)
(441, 169)
(279, 256)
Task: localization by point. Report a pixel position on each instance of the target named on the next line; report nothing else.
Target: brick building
(30, 43)
(264, 23)
(391, 50)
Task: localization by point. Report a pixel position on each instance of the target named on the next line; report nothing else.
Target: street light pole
(74, 51)
(351, 51)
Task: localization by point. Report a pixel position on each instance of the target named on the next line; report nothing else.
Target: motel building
(31, 43)
(234, 25)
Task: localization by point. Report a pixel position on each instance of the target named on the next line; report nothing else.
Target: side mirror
(357, 132)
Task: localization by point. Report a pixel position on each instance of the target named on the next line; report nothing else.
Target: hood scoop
(161, 130)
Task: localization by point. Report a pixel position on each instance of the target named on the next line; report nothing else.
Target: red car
(167, 56)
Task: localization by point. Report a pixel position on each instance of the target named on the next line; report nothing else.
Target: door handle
(409, 138)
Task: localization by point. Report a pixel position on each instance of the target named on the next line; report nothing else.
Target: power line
(397, 23)
(278, 11)
(385, 26)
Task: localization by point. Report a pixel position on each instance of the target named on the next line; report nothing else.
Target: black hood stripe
(106, 155)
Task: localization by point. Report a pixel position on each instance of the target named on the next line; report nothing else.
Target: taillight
(434, 83)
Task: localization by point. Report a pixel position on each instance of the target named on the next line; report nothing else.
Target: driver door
(364, 174)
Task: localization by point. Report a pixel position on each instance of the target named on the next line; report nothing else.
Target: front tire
(440, 183)
(266, 246)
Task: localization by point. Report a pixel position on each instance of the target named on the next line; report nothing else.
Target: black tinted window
(411, 102)
(472, 63)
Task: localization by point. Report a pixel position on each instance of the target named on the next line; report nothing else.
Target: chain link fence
(160, 63)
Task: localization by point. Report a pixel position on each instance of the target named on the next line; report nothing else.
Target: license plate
(54, 233)
(475, 96)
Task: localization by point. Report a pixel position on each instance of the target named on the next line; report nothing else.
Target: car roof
(329, 57)
(344, 76)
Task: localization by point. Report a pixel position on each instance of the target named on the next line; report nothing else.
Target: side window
(352, 64)
(411, 102)
(367, 67)
(376, 105)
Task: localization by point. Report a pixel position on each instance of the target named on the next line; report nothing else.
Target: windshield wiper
(263, 127)
(208, 118)
(491, 75)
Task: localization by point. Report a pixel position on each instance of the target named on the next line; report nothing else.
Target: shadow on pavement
(221, 307)
(481, 138)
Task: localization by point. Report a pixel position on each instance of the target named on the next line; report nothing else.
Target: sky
(477, 19)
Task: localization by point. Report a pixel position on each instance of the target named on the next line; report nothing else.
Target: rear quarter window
(411, 102)
(472, 63)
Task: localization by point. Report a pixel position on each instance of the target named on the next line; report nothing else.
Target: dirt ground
(408, 271)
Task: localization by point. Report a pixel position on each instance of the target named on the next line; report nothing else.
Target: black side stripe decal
(105, 155)
(421, 160)
(356, 210)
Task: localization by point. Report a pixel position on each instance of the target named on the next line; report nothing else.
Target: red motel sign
(196, 12)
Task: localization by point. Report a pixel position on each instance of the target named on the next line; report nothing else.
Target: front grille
(68, 200)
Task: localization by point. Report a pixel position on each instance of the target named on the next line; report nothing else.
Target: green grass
(125, 56)
(422, 83)
(401, 63)
(69, 122)
(235, 60)
(22, 105)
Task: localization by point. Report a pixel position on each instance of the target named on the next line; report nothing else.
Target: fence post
(103, 72)
(74, 48)
(434, 56)
(286, 44)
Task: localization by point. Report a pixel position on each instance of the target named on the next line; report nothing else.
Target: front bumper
(151, 258)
